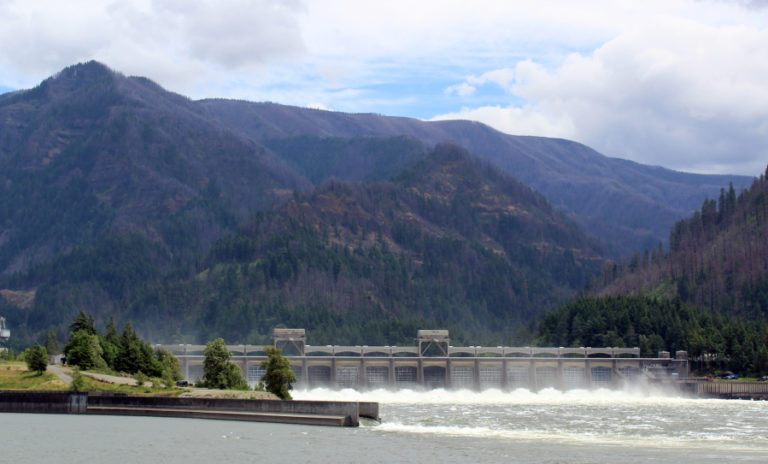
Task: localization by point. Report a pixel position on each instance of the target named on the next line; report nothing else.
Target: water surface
(436, 426)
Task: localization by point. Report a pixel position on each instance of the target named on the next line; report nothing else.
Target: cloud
(501, 77)
(680, 94)
(461, 90)
(174, 41)
(672, 82)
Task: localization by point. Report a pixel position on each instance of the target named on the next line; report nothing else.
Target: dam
(432, 362)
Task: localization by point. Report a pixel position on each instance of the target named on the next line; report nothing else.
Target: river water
(436, 426)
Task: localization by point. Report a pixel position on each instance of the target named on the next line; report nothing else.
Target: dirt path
(64, 373)
(61, 374)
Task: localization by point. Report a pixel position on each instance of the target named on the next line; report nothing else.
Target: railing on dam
(433, 363)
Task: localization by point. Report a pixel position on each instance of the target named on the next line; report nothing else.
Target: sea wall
(43, 402)
(344, 413)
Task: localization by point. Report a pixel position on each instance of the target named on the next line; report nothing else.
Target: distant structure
(5, 333)
(433, 363)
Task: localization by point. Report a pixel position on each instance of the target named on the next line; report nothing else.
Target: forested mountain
(451, 241)
(628, 205)
(90, 153)
(717, 260)
(113, 191)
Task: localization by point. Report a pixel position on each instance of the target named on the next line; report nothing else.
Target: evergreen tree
(84, 322)
(84, 350)
(36, 359)
(110, 344)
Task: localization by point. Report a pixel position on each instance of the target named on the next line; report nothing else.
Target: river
(436, 426)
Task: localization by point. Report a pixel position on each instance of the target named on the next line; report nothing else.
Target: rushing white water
(633, 419)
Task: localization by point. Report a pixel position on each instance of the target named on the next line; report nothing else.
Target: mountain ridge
(452, 241)
(597, 191)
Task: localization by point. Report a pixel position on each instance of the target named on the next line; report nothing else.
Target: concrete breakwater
(334, 413)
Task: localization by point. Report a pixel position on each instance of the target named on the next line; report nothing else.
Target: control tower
(290, 341)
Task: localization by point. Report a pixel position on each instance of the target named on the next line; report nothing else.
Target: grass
(91, 384)
(15, 376)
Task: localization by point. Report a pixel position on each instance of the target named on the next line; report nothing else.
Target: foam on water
(699, 442)
(547, 396)
(635, 418)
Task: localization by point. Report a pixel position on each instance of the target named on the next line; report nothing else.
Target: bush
(78, 381)
(140, 378)
(279, 377)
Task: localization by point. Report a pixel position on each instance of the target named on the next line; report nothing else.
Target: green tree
(84, 350)
(110, 343)
(279, 377)
(84, 322)
(134, 355)
(218, 371)
(170, 363)
(36, 359)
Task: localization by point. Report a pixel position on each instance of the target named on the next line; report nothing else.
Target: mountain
(451, 241)
(121, 198)
(717, 261)
(90, 153)
(628, 205)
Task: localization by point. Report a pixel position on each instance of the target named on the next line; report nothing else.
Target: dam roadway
(433, 363)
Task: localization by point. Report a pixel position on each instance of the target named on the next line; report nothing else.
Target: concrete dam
(432, 362)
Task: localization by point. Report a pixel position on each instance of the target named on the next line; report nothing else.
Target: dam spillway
(433, 363)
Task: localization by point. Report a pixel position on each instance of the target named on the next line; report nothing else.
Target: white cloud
(678, 94)
(177, 42)
(461, 90)
(501, 77)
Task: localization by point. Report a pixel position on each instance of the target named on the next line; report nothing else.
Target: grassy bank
(15, 376)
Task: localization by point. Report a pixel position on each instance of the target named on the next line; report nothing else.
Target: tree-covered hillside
(90, 153)
(717, 259)
(627, 205)
(451, 242)
(658, 324)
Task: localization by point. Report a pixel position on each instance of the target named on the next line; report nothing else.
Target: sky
(676, 83)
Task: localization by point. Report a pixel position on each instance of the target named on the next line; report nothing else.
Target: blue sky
(676, 83)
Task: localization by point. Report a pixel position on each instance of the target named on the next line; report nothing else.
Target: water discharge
(635, 419)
